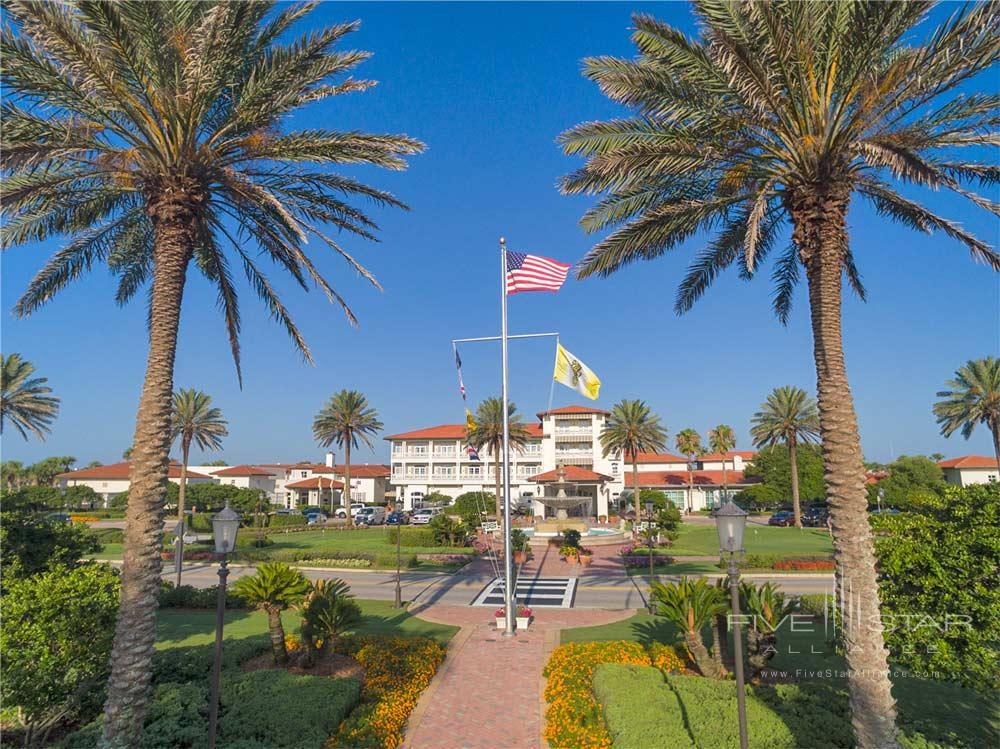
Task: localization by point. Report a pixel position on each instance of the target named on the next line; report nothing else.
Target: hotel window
(532, 448)
(474, 470)
(304, 474)
(418, 449)
(397, 447)
(419, 470)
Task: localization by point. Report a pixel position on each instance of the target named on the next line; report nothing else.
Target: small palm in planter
(586, 556)
(524, 615)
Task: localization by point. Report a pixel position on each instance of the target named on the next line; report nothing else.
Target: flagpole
(507, 555)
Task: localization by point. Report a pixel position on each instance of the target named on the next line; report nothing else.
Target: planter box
(523, 621)
(501, 622)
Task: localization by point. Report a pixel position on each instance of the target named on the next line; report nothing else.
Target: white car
(355, 506)
(424, 516)
(370, 516)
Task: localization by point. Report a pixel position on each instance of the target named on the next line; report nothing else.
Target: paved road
(462, 587)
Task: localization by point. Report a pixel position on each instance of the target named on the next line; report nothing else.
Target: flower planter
(520, 557)
(585, 560)
(572, 559)
(523, 621)
(501, 622)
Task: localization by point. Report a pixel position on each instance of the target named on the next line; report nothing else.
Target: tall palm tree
(273, 588)
(973, 398)
(632, 428)
(154, 135)
(195, 420)
(488, 434)
(722, 439)
(788, 416)
(778, 111)
(24, 400)
(688, 444)
(348, 420)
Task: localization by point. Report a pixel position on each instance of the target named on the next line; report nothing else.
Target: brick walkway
(488, 693)
(546, 562)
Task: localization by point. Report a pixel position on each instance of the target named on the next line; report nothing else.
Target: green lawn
(945, 713)
(185, 627)
(703, 540)
(362, 540)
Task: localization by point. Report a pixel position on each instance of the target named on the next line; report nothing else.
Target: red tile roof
(451, 432)
(243, 470)
(313, 484)
(364, 471)
(969, 461)
(571, 410)
(573, 473)
(873, 477)
(657, 458)
(745, 454)
(122, 470)
(679, 479)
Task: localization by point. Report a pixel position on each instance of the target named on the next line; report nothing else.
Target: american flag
(534, 273)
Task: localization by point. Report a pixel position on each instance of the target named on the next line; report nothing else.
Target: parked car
(355, 507)
(397, 518)
(372, 515)
(782, 518)
(424, 515)
(58, 517)
(316, 517)
(285, 511)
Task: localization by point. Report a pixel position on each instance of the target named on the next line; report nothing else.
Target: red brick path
(488, 693)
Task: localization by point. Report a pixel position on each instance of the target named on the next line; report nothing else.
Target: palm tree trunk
(820, 235)
(705, 663)
(995, 430)
(185, 450)
(725, 480)
(135, 632)
(793, 465)
(347, 479)
(635, 494)
(720, 649)
(277, 634)
(690, 489)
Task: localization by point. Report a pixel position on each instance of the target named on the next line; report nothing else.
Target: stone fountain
(562, 502)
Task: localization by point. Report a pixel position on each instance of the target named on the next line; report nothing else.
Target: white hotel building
(434, 459)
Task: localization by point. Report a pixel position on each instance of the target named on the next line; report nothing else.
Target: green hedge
(645, 708)
(257, 710)
(189, 597)
(287, 521)
(195, 663)
(412, 536)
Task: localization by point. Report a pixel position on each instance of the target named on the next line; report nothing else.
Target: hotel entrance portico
(585, 483)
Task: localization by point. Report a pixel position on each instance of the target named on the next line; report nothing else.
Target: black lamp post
(649, 540)
(731, 521)
(225, 525)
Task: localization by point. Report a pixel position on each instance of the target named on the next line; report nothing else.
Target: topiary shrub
(411, 536)
(287, 521)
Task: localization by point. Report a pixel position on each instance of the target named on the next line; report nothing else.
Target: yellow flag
(574, 374)
(470, 422)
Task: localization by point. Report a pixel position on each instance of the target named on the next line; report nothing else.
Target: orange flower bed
(397, 670)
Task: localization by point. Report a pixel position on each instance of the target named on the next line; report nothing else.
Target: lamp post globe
(730, 521)
(225, 524)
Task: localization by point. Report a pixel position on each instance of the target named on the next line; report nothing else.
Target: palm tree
(779, 111)
(688, 443)
(193, 419)
(691, 605)
(328, 611)
(722, 439)
(768, 608)
(24, 400)
(632, 428)
(790, 416)
(488, 434)
(274, 588)
(973, 398)
(153, 135)
(348, 420)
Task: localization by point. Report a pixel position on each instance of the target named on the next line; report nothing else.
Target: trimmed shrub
(772, 561)
(469, 506)
(389, 560)
(107, 535)
(200, 522)
(195, 663)
(288, 521)
(815, 604)
(643, 708)
(274, 708)
(412, 536)
(188, 597)
(310, 709)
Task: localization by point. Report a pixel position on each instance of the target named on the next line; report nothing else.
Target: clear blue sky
(488, 88)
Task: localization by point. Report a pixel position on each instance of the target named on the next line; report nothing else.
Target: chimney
(329, 459)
